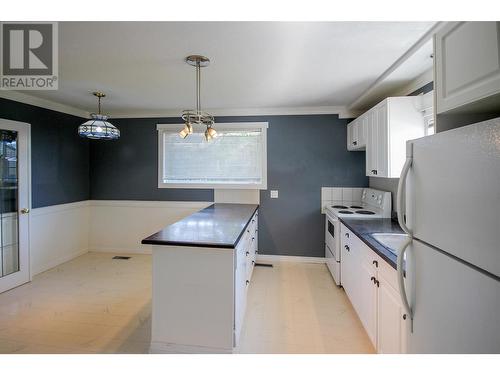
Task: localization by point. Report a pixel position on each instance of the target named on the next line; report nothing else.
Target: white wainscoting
(57, 234)
(119, 226)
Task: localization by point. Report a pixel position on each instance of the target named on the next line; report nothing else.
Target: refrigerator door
(453, 193)
(456, 308)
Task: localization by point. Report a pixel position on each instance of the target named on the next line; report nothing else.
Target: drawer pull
(247, 253)
(347, 235)
(373, 279)
(247, 282)
(347, 248)
(404, 316)
(375, 263)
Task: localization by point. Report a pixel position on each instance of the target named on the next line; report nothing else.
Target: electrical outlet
(274, 193)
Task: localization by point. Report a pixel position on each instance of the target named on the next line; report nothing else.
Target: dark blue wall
(128, 167)
(59, 157)
(304, 154)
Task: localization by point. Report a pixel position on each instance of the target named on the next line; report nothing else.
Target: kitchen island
(202, 266)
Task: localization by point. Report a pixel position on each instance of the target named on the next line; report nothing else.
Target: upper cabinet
(356, 134)
(467, 63)
(389, 125)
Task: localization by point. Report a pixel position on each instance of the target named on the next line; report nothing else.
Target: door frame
(22, 276)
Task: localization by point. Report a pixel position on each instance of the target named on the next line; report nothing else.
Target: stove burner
(345, 212)
(365, 212)
(356, 207)
(341, 207)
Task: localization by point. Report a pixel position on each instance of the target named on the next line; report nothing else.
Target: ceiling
(140, 65)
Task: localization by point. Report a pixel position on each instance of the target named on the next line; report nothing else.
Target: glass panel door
(14, 204)
(9, 241)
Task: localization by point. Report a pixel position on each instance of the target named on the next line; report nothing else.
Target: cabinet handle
(373, 279)
(404, 316)
(247, 253)
(253, 261)
(378, 283)
(247, 282)
(253, 238)
(355, 143)
(375, 263)
(347, 248)
(253, 221)
(374, 171)
(347, 235)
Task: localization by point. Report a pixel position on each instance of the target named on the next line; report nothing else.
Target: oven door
(331, 231)
(332, 253)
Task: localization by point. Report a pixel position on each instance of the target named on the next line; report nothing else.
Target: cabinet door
(349, 136)
(362, 135)
(368, 300)
(392, 325)
(382, 139)
(467, 63)
(240, 295)
(371, 142)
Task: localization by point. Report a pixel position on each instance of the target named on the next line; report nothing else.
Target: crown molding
(421, 80)
(424, 39)
(342, 111)
(43, 103)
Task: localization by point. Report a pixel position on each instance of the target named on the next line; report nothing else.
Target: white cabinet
(467, 63)
(245, 255)
(389, 125)
(356, 134)
(371, 286)
(392, 319)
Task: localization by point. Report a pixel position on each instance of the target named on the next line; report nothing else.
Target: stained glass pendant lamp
(197, 116)
(98, 127)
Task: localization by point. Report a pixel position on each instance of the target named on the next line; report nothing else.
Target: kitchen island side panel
(193, 299)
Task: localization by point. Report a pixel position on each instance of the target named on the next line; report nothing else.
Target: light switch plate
(274, 193)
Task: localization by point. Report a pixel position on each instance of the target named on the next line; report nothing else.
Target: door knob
(25, 210)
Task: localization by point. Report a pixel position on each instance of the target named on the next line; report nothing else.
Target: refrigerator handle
(401, 280)
(401, 188)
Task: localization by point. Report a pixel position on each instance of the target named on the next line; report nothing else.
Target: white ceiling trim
(424, 39)
(423, 79)
(43, 103)
(343, 112)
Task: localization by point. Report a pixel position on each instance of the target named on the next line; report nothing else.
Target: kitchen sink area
(392, 241)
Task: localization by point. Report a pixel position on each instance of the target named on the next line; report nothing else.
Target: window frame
(175, 128)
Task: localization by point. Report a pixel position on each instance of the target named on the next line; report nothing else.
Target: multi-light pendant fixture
(98, 127)
(198, 117)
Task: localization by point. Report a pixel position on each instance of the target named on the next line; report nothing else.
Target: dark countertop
(364, 227)
(219, 225)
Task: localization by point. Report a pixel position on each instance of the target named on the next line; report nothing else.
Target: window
(235, 159)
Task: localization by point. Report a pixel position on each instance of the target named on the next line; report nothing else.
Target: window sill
(163, 185)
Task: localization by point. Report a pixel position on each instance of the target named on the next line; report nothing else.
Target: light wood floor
(94, 304)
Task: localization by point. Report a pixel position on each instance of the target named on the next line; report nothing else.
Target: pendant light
(98, 127)
(197, 116)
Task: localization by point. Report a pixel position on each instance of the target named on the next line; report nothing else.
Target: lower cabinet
(371, 286)
(244, 259)
(392, 320)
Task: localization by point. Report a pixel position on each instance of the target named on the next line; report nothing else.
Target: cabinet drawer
(389, 274)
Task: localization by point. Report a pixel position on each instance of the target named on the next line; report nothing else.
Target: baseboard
(166, 348)
(57, 262)
(288, 258)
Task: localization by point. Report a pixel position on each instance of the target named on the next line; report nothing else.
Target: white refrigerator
(451, 188)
